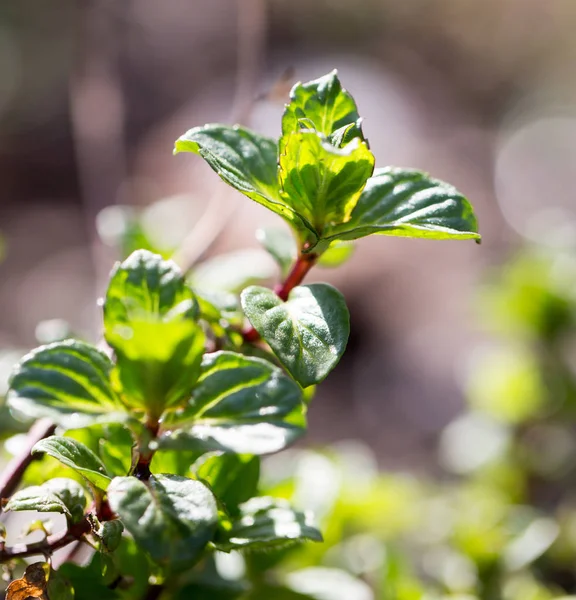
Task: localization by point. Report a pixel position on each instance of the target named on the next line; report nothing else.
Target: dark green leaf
(69, 382)
(321, 104)
(308, 333)
(240, 404)
(232, 477)
(77, 456)
(266, 523)
(59, 588)
(88, 581)
(281, 245)
(245, 160)
(320, 182)
(110, 534)
(171, 517)
(408, 203)
(146, 287)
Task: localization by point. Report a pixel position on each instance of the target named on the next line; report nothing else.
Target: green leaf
(232, 477)
(408, 203)
(145, 287)
(321, 104)
(87, 581)
(267, 523)
(280, 244)
(240, 404)
(320, 182)
(246, 161)
(336, 255)
(77, 456)
(149, 319)
(171, 517)
(71, 493)
(39, 499)
(308, 333)
(68, 382)
(110, 534)
(59, 588)
(158, 362)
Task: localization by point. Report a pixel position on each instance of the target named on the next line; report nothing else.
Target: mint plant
(160, 428)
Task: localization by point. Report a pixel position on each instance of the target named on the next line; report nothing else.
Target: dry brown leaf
(31, 585)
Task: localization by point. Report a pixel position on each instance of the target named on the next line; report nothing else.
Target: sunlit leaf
(308, 333)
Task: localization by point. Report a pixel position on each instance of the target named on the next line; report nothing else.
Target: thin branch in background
(12, 473)
(252, 25)
(97, 111)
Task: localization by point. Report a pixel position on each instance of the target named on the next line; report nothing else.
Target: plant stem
(142, 468)
(299, 270)
(49, 545)
(12, 474)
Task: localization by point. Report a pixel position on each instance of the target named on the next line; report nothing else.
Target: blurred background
(455, 346)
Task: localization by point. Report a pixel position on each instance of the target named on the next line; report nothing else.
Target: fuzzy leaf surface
(68, 382)
(403, 202)
(308, 333)
(172, 518)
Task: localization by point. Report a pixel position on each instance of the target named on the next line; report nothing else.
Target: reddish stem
(295, 277)
(14, 470)
(142, 469)
(49, 545)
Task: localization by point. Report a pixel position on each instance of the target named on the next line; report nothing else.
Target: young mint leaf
(149, 320)
(232, 477)
(320, 182)
(240, 404)
(158, 362)
(322, 105)
(308, 333)
(77, 456)
(267, 523)
(69, 382)
(246, 161)
(171, 517)
(146, 287)
(280, 244)
(345, 134)
(409, 203)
